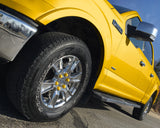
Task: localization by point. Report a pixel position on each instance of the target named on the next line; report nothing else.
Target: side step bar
(113, 99)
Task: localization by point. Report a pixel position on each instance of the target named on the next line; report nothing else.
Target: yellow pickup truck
(58, 51)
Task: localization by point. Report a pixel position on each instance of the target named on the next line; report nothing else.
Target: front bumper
(14, 33)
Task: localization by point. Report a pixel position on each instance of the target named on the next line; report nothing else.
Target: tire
(141, 113)
(49, 76)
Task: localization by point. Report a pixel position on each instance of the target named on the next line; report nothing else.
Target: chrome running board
(113, 99)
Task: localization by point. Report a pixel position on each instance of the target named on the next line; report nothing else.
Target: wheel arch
(96, 19)
(86, 31)
(154, 96)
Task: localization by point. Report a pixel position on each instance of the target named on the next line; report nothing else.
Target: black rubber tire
(25, 72)
(139, 113)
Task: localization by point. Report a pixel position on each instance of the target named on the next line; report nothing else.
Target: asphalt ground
(94, 114)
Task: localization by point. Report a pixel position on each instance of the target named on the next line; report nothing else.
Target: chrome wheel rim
(61, 81)
(146, 110)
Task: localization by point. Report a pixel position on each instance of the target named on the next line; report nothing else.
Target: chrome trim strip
(14, 33)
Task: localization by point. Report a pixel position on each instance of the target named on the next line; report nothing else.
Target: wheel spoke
(63, 96)
(54, 98)
(74, 65)
(46, 87)
(55, 68)
(48, 83)
(61, 64)
(76, 78)
(46, 90)
(70, 63)
(69, 92)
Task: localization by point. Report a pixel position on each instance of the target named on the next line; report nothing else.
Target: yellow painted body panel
(30, 8)
(126, 81)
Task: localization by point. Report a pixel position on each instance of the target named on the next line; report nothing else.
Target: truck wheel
(140, 113)
(49, 76)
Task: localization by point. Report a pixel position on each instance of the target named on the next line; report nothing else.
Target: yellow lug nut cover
(67, 79)
(58, 88)
(64, 86)
(56, 83)
(60, 76)
(66, 74)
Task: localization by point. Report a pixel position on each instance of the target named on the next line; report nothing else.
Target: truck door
(131, 66)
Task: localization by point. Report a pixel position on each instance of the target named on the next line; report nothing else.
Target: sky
(149, 11)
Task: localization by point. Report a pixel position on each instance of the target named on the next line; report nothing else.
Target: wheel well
(87, 32)
(154, 96)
